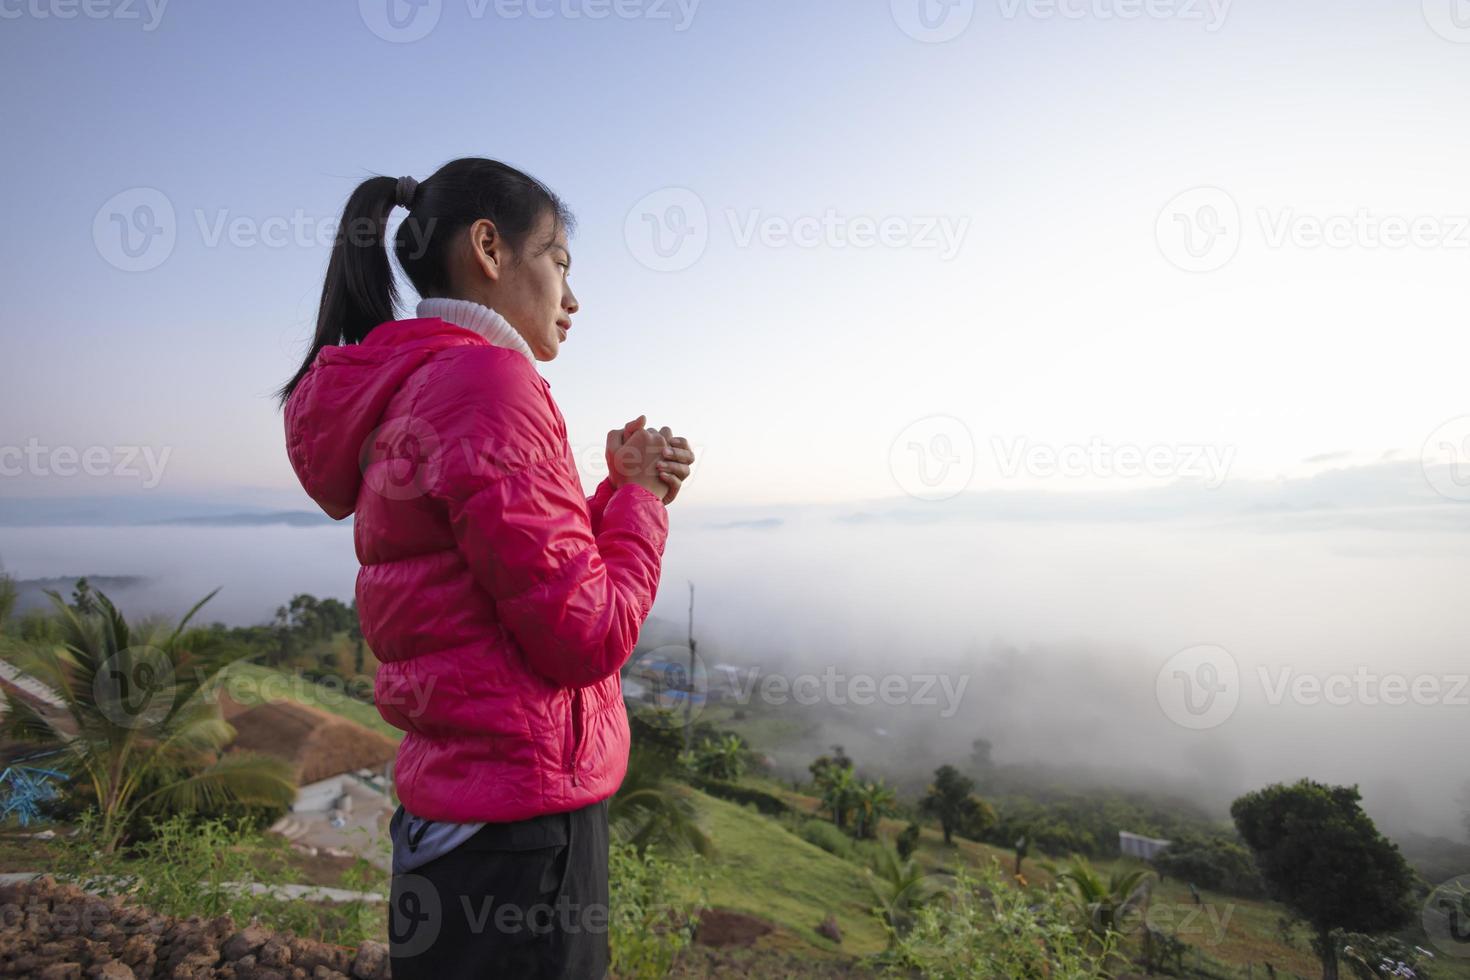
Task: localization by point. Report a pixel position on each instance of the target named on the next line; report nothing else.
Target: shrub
(1212, 862)
(827, 837)
(987, 928)
(908, 841)
(200, 867)
(768, 803)
(655, 906)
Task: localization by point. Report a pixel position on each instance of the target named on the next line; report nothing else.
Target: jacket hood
(342, 398)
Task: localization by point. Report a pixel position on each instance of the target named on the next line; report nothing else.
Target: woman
(500, 602)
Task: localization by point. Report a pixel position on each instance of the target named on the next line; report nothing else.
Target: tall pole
(689, 692)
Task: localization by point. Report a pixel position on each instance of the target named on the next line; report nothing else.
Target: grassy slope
(762, 869)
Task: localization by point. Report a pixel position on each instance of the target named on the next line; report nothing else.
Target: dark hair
(360, 291)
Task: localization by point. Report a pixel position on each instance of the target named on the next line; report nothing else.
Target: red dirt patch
(721, 927)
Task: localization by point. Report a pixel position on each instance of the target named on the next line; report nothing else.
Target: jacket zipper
(576, 733)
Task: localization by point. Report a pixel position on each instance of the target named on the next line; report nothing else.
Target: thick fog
(1077, 632)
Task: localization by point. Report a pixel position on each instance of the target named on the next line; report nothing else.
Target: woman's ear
(487, 248)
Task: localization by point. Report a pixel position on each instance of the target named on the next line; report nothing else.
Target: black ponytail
(360, 291)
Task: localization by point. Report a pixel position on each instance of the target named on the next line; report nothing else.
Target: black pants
(524, 899)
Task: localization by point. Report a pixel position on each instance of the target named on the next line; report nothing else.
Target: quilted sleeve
(597, 503)
(574, 599)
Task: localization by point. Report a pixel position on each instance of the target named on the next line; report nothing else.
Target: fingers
(673, 483)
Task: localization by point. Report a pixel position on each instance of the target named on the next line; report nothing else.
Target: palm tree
(838, 788)
(721, 759)
(135, 727)
(900, 887)
(1107, 904)
(871, 802)
(649, 808)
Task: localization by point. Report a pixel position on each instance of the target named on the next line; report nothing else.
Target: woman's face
(530, 291)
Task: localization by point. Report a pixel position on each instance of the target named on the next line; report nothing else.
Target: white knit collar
(478, 318)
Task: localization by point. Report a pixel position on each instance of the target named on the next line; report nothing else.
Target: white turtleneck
(478, 318)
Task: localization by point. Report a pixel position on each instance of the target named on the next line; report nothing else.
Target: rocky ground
(59, 932)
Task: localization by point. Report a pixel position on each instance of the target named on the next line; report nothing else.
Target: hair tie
(407, 188)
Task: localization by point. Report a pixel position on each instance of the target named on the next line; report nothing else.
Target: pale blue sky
(1046, 144)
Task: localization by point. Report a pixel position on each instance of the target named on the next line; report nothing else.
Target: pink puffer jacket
(500, 601)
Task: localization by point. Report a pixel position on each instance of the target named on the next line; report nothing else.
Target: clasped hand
(655, 459)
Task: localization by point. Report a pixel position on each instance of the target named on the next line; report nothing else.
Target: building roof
(317, 743)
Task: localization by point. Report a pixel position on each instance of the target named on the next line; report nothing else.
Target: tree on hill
(952, 801)
(833, 777)
(1321, 856)
(871, 802)
(839, 790)
(8, 596)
